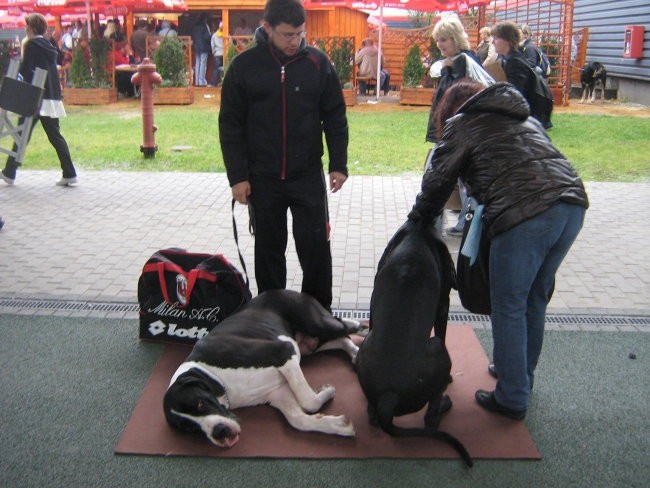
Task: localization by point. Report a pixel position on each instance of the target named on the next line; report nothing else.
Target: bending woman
(534, 207)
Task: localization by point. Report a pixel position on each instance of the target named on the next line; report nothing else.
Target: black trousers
(306, 197)
(53, 131)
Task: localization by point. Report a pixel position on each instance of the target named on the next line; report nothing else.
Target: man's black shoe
(492, 370)
(486, 400)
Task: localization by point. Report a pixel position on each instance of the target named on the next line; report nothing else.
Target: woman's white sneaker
(67, 181)
(6, 179)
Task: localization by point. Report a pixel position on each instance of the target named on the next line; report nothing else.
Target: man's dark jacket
(506, 160)
(274, 110)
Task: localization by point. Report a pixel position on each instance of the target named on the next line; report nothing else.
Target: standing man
(201, 37)
(277, 99)
(139, 40)
(216, 44)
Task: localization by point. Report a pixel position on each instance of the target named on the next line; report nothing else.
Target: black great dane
(400, 366)
(253, 358)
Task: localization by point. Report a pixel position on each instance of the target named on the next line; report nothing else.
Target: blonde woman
(109, 32)
(459, 62)
(451, 39)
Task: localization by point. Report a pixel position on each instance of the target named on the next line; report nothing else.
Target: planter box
(350, 96)
(182, 95)
(89, 96)
(416, 96)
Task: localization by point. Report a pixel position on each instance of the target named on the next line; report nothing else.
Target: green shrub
(170, 62)
(342, 55)
(80, 76)
(414, 70)
(90, 66)
(99, 62)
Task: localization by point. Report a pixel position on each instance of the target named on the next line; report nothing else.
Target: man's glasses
(292, 36)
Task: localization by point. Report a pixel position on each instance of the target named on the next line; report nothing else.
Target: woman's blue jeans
(523, 263)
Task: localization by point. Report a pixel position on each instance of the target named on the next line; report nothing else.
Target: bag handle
(251, 228)
(161, 267)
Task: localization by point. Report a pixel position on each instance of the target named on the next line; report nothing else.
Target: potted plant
(412, 92)
(91, 74)
(171, 60)
(342, 56)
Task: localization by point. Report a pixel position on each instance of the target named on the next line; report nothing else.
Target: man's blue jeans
(523, 263)
(200, 66)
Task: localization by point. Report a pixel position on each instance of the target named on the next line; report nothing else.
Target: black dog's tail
(385, 413)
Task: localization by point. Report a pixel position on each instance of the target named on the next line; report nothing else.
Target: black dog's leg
(435, 411)
(373, 417)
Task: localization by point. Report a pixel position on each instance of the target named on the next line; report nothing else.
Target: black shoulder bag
(473, 280)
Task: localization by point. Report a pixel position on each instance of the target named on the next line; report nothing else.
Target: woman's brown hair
(455, 96)
(37, 23)
(509, 32)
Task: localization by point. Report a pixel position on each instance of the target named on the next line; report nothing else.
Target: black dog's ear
(351, 326)
(197, 378)
(171, 405)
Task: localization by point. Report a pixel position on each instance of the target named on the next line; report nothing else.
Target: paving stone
(115, 223)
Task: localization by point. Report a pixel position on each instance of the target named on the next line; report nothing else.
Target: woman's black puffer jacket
(506, 159)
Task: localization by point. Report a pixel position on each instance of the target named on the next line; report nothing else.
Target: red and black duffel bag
(183, 295)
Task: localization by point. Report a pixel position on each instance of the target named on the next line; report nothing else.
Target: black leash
(251, 229)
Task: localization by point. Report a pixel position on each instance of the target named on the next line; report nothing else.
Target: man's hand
(336, 181)
(241, 191)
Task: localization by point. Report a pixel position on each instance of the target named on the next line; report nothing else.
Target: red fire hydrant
(146, 77)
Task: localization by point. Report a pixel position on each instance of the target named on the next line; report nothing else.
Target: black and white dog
(592, 74)
(253, 358)
(400, 366)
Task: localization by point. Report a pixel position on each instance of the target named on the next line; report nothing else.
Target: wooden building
(605, 24)
(321, 22)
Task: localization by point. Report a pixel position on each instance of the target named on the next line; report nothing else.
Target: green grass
(605, 148)
(602, 148)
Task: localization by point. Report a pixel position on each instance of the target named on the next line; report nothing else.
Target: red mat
(265, 432)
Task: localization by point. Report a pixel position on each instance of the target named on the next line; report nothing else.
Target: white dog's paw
(353, 355)
(339, 425)
(353, 324)
(325, 392)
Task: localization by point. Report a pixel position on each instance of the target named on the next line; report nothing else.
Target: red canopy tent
(108, 8)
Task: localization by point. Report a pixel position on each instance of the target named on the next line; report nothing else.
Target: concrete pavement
(88, 243)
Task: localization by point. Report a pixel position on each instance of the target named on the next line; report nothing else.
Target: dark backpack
(544, 64)
(540, 99)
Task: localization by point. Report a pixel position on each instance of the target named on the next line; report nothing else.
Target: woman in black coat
(534, 207)
(40, 53)
(506, 39)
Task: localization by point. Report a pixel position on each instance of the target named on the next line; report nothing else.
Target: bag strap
(251, 227)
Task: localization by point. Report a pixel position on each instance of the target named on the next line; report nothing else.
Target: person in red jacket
(277, 99)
